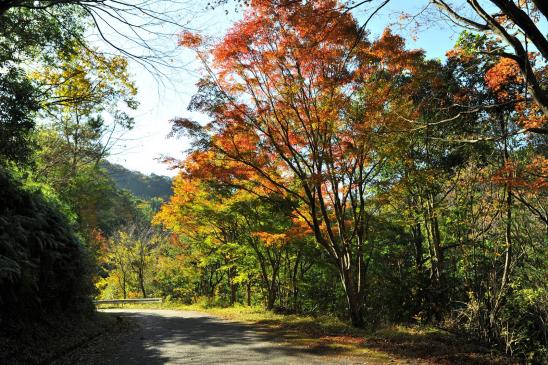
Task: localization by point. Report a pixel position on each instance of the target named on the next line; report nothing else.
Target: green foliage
(38, 35)
(18, 102)
(139, 263)
(42, 263)
(172, 278)
(28, 37)
(142, 186)
(471, 43)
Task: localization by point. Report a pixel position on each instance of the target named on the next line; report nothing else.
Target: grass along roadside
(330, 336)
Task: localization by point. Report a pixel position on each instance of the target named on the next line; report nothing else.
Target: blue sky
(160, 101)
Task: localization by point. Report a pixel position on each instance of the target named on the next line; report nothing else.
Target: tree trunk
(124, 291)
(233, 287)
(507, 235)
(435, 297)
(355, 298)
(356, 307)
(249, 293)
(271, 296)
(294, 285)
(142, 284)
(437, 259)
(417, 241)
(233, 290)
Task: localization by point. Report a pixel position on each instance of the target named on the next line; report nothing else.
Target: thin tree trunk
(124, 286)
(417, 241)
(271, 295)
(142, 283)
(249, 293)
(507, 233)
(233, 286)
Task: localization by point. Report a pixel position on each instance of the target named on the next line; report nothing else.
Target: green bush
(42, 263)
(523, 324)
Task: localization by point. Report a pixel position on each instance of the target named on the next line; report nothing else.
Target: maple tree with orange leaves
(287, 119)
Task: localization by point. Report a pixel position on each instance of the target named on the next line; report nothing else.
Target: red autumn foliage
(286, 79)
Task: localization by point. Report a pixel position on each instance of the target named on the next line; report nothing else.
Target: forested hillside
(140, 185)
(335, 170)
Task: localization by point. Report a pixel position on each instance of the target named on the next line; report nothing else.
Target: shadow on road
(176, 337)
(199, 339)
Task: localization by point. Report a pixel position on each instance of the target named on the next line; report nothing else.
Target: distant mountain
(140, 185)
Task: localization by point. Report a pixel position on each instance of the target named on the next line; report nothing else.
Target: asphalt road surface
(182, 337)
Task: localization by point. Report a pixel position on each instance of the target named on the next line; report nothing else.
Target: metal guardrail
(127, 301)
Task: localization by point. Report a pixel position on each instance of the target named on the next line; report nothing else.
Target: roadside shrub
(523, 325)
(42, 263)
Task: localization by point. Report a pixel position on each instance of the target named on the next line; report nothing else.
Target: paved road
(180, 337)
